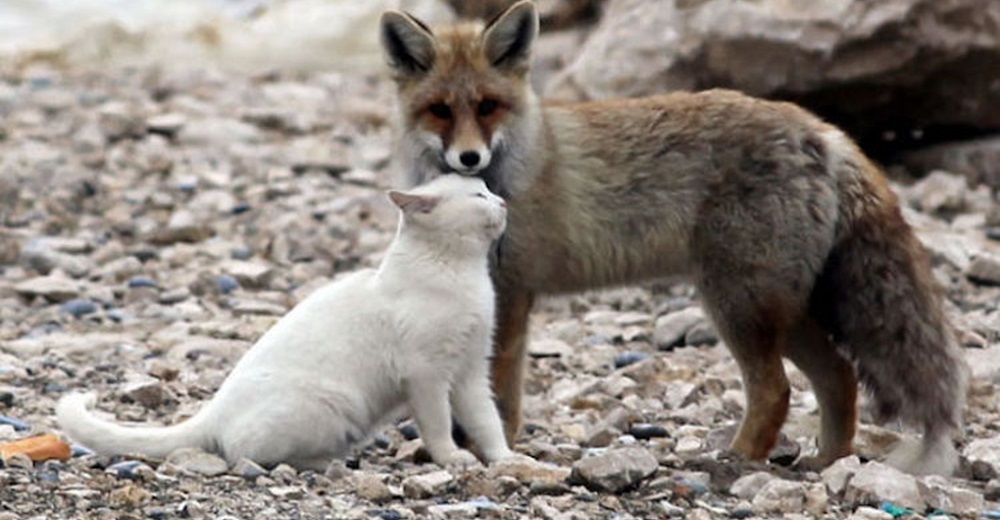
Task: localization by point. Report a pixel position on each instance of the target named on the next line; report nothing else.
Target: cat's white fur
(416, 331)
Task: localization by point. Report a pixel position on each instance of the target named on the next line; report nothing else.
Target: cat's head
(453, 204)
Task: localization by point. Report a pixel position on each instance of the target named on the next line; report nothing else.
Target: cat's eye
(487, 107)
(481, 195)
(440, 111)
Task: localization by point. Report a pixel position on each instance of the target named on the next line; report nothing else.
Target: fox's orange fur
(792, 237)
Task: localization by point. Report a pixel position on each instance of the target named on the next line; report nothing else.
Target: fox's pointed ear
(508, 38)
(408, 43)
(412, 203)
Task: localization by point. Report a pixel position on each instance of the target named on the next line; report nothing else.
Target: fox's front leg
(509, 349)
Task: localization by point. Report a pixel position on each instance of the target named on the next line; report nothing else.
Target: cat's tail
(109, 438)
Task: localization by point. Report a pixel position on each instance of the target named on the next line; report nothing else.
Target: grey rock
(836, 475)
(942, 494)
(167, 124)
(371, 486)
(54, 288)
(870, 513)
(748, 486)
(427, 485)
(984, 269)
(248, 469)
(984, 457)
(150, 393)
(250, 273)
(780, 496)
(940, 192)
(670, 329)
(615, 470)
(875, 482)
(198, 461)
(528, 471)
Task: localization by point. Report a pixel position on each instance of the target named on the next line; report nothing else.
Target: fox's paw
(459, 459)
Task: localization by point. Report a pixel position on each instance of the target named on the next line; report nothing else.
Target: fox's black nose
(469, 159)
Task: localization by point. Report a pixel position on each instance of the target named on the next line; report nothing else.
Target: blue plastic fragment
(124, 469)
(80, 451)
(894, 510)
(19, 425)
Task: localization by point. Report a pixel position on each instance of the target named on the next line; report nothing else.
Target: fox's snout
(468, 160)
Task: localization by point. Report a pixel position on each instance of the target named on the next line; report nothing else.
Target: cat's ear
(411, 203)
(407, 42)
(508, 38)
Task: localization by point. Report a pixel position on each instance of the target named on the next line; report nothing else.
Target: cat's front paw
(459, 459)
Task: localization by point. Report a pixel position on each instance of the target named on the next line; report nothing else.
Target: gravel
(155, 224)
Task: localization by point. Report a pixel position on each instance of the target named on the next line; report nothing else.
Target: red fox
(791, 235)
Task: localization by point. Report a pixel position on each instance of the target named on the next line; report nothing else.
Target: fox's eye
(486, 107)
(440, 110)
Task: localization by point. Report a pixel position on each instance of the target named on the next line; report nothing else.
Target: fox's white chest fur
(414, 333)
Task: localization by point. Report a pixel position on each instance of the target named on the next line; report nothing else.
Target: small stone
(427, 485)
(17, 424)
(53, 288)
(670, 329)
(287, 492)
(836, 475)
(615, 470)
(645, 431)
(984, 457)
(141, 281)
(528, 471)
(409, 430)
(198, 461)
(703, 333)
(226, 284)
(875, 483)
(941, 494)
(79, 307)
(252, 307)
(128, 496)
(150, 393)
(940, 192)
(248, 469)
(241, 253)
(166, 124)
(748, 486)
(250, 274)
(869, 513)
(548, 348)
(625, 359)
(780, 496)
(371, 487)
(985, 270)
(126, 469)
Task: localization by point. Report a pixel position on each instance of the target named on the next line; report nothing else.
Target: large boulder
(901, 69)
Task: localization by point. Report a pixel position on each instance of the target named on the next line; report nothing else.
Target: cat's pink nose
(503, 204)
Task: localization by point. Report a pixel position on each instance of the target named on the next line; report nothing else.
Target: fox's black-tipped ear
(412, 203)
(408, 43)
(508, 37)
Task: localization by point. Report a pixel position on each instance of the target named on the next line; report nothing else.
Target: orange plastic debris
(42, 447)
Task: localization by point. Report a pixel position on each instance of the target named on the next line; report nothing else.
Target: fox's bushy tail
(879, 300)
(108, 438)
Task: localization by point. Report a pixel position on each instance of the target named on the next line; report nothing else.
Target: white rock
(836, 475)
(942, 493)
(747, 486)
(876, 482)
(671, 328)
(780, 496)
(427, 485)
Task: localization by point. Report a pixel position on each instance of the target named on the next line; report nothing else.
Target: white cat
(416, 331)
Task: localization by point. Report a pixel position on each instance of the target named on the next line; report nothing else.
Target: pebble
(780, 496)
(198, 461)
(875, 482)
(427, 485)
(372, 487)
(984, 457)
(984, 270)
(670, 329)
(616, 470)
(226, 284)
(941, 493)
(625, 359)
(54, 288)
(127, 469)
(17, 424)
(141, 281)
(79, 308)
(646, 431)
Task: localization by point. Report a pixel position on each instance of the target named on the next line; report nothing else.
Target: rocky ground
(153, 225)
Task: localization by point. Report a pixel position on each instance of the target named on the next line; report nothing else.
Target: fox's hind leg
(509, 349)
(756, 345)
(832, 378)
